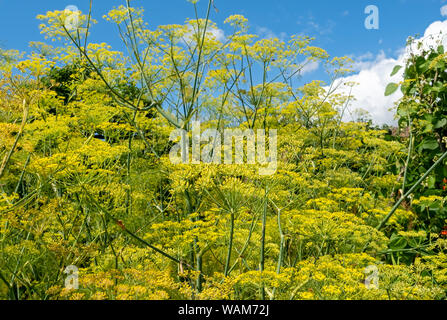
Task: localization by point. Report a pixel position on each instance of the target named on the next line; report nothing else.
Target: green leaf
(391, 88)
(422, 64)
(395, 70)
(397, 242)
(441, 123)
(423, 67)
(431, 182)
(440, 65)
(430, 144)
(428, 128)
(403, 112)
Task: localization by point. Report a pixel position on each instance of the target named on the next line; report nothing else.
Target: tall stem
(262, 255)
(230, 245)
(410, 150)
(393, 210)
(18, 136)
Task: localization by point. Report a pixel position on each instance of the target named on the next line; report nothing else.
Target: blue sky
(337, 25)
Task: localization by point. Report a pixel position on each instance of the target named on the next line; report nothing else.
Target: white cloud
(218, 33)
(444, 11)
(322, 29)
(267, 33)
(369, 93)
(309, 67)
(374, 76)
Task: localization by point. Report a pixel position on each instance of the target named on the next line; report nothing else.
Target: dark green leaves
(397, 242)
(430, 144)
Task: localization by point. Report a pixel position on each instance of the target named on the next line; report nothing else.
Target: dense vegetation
(86, 179)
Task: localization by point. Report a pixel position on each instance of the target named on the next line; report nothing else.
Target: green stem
(22, 174)
(230, 245)
(262, 255)
(281, 246)
(18, 136)
(165, 254)
(199, 267)
(410, 150)
(393, 210)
